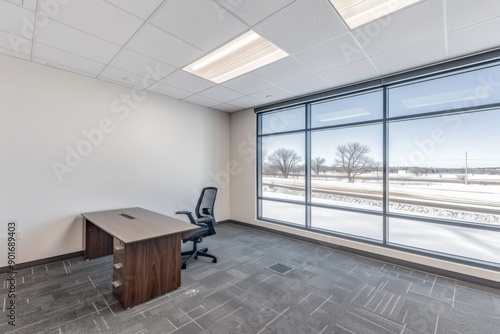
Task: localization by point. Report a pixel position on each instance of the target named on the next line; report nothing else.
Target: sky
(439, 142)
(431, 142)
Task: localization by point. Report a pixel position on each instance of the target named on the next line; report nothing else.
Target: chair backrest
(205, 206)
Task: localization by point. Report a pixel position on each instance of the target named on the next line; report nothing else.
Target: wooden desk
(146, 247)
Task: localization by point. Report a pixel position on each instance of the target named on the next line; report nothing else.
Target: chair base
(194, 255)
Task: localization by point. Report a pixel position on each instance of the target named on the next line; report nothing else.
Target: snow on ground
(473, 203)
(451, 201)
(475, 244)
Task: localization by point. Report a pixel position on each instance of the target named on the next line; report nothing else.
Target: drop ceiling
(145, 44)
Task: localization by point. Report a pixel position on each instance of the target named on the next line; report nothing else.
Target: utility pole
(466, 172)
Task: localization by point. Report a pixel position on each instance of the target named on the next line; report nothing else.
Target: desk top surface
(141, 224)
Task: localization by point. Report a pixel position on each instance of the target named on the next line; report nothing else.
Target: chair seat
(203, 231)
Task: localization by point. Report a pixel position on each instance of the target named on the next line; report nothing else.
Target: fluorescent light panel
(448, 97)
(358, 12)
(342, 114)
(242, 55)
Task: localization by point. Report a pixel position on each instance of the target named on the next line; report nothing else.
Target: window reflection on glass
(459, 241)
(446, 167)
(283, 168)
(345, 222)
(346, 167)
(283, 120)
(284, 212)
(357, 108)
(455, 92)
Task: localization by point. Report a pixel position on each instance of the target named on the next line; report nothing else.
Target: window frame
(384, 86)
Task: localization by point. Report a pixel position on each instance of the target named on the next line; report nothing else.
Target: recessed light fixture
(358, 12)
(242, 55)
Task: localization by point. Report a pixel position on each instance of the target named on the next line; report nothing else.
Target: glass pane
(283, 120)
(283, 173)
(285, 212)
(460, 241)
(347, 167)
(454, 92)
(357, 108)
(446, 167)
(352, 223)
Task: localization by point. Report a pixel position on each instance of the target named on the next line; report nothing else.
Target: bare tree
(264, 154)
(317, 164)
(353, 159)
(284, 160)
(419, 171)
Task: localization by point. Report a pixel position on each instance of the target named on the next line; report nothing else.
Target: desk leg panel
(97, 242)
(152, 268)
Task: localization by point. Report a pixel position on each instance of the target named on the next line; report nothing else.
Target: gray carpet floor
(327, 291)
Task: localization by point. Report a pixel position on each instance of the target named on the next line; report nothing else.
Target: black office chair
(206, 220)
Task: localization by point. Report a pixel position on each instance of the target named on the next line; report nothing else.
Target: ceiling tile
(187, 81)
(465, 13)
(202, 100)
(28, 4)
(411, 25)
(245, 102)
(16, 20)
(15, 43)
(125, 78)
(221, 93)
(227, 108)
(301, 25)
(54, 56)
(141, 65)
(282, 71)
(271, 95)
(254, 11)
(9, 52)
(307, 85)
(169, 91)
(97, 18)
(247, 84)
(330, 54)
(474, 39)
(412, 56)
(69, 39)
(352, 73)
(143, 9)
(62, 67)
(157, 44)
(202, 23)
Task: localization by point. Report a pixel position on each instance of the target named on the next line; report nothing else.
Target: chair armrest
(187, 213)
(208, 222)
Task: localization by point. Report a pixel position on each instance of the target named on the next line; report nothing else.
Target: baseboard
(41, 262)
(392, 260)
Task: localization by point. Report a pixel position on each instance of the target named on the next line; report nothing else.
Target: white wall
(159, 156)
(243, 201)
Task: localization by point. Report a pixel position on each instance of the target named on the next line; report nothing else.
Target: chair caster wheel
(183, 266)
(214, 261)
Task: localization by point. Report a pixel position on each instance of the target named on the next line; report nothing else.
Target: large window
(413, 165)
(446, 167)
(346, 167)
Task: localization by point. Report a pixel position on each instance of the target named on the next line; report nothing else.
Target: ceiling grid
(146, 45)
